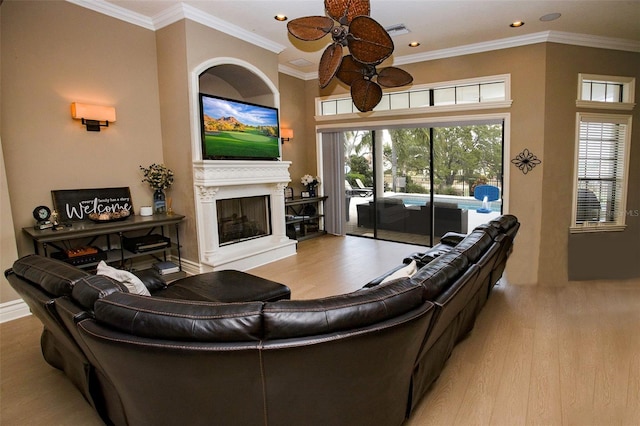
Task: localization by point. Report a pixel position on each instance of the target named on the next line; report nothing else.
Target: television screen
(238, 130)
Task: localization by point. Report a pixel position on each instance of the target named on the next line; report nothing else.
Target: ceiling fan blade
(329, 63)
(350, 70)
(344, 11)
(393, 77)
(368, 41)
(365, 94)
(310, 28)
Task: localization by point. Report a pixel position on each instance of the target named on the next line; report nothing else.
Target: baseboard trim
(13, 310)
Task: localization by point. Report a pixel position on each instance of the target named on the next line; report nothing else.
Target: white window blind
(601, 170)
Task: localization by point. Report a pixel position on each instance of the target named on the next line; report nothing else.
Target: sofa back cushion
(54, 276)
(186, 320)
(474, 245)
(87, 290)
(296, 318)
(438, 275)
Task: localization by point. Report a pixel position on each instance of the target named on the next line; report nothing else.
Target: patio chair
(486, 194)
(368, 189)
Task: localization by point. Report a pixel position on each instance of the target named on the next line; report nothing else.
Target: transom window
(605, 91)
(485, 90)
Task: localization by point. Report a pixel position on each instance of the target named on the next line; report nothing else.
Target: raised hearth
(224, 180)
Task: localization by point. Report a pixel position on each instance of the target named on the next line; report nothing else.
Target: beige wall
(565, 256)
(293, 115)
(55, 53)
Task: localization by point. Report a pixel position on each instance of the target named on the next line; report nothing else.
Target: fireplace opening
(241, 219)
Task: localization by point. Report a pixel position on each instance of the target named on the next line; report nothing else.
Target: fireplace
(241, 219)
(234, 234)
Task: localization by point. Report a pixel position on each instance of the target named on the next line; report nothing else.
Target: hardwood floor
(566, 355)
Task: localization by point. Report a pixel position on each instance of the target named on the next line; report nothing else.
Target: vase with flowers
(311, 182)
(159, 178)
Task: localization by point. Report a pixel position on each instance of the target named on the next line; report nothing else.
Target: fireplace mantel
(225, 179)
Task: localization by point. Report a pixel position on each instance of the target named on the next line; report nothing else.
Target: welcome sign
(78, 204)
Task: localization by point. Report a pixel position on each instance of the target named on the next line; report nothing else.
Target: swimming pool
(462, 202)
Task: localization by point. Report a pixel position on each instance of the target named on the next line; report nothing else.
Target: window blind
(601, 170)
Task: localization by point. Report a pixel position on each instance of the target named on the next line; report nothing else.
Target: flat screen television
(234, 130)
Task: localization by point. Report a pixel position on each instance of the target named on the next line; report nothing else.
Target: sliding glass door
(415, 184)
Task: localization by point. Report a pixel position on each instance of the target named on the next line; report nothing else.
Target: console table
(303, 217)
(92, 231)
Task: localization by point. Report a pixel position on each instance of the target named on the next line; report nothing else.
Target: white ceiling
(444, 28)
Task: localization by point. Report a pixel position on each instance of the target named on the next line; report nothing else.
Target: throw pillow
(406, 271)
(133, 283)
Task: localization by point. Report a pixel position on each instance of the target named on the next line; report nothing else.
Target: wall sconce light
(286, 135)
(93, 116)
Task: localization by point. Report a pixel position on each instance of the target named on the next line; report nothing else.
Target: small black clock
(42, 213)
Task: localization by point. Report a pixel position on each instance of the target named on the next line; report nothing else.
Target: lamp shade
(93, 112)
(286, 134)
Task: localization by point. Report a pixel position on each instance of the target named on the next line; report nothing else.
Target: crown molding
(117, 12)
(594, 41)
(506, 43)
(233, 30)
(174, 14)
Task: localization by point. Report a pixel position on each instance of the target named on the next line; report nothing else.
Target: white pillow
(407, 271)
(133, 283)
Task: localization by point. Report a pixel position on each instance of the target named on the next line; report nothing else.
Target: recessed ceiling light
(516, 24)
(414, 44)
(550, 17)
(280, 17)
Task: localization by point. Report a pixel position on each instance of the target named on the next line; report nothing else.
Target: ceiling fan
(369, 45)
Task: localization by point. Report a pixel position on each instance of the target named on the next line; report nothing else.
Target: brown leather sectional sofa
(361, 358)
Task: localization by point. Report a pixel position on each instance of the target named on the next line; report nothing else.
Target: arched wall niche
(229, 78)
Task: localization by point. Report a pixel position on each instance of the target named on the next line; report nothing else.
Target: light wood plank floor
(565, 355)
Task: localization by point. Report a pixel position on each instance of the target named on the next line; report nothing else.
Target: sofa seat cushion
(54, 276)
(185, 320)
(438, 275)
(93, 287)
(296, 318)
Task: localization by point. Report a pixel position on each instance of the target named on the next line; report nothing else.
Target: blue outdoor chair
(486, 194)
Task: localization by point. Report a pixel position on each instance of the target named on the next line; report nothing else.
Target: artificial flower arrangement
(157, 176)
(310, 181)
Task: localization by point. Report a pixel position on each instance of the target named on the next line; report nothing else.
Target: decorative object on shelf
(369, 45)
(159, 179)
(42, 214)
(526, 161)
(88, 204)
(311, 183)
(146, 211)
(288, 193)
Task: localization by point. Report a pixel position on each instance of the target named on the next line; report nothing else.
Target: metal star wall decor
(526, 161)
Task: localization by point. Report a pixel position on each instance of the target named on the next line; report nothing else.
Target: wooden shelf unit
(304, 217)
(93, 233)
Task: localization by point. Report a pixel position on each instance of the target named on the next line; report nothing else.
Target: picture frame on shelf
(305, 194)
(288, 193)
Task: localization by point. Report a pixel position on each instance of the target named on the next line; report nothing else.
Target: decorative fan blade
(365, 94)
(350, 70)
(393, 77)
(368, 41)
(329, 63)
(344, 11)
(310, 28)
